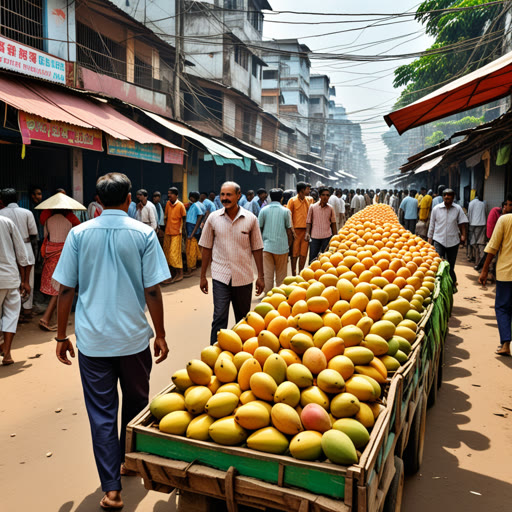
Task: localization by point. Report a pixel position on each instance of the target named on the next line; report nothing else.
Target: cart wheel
(413, 453)
(432, 396)
(393, 502)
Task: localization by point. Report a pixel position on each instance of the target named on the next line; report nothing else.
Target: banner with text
(36, 128)
(133, 149)
(24, 59)
(173, 156)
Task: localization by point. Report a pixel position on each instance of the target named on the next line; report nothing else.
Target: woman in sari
(57, 225)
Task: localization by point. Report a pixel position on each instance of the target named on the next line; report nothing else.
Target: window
(99, 53)
(241, 56)
(255, 68)
(314, 101)
(22, 20)
(254, 16)
(143, 74)
(303, 98)
(270, 74)
(230, 4)
(269, 100)
(249, 126)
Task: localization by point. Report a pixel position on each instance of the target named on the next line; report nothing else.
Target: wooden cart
(210, 477)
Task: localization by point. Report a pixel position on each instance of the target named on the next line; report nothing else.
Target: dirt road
(47, 465)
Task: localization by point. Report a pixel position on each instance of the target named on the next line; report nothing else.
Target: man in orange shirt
(299, 206)
(175, 215)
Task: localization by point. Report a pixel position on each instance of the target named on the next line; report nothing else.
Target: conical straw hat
(60, 202)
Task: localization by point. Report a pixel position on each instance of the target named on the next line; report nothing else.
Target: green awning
(263, 168)
(243, 163)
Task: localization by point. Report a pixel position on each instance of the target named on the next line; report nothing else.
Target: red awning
(57, 104)
(490, 83)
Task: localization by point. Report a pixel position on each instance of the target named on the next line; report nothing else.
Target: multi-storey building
(286, 89)
(319, 93)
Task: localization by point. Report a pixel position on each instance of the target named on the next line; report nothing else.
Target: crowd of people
(143, 244)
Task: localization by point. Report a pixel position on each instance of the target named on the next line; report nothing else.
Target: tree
(470, 39)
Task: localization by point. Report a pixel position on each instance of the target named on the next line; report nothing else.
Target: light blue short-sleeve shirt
(111, 259)
(410, 207)
(274, 220)
(194, 211)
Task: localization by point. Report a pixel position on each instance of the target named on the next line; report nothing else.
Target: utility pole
(178, 66)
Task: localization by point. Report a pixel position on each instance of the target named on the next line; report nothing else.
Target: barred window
(22, 20)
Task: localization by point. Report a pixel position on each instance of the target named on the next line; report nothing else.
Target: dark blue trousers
(100, 376)
(316, 246)
(223, 296)
(450, 255)
(503, 309)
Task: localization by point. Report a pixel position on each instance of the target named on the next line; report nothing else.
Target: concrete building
(286, 89)
(319, 94)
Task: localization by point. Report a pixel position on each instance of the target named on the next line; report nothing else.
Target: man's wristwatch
(61, 340)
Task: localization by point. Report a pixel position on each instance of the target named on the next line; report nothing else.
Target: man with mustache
(231, 237)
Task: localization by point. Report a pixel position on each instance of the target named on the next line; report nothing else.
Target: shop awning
(263, 168)
(309, 165)
(489, 83)
(236, 150)
(210, 145)
(57, 104)
(275, 156)
(347, 175)
(428, 165)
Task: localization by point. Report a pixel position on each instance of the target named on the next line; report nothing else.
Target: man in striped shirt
(320, 224)
(230, 239)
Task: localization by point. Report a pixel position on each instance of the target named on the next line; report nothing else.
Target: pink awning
(489, 83)
(56, 104)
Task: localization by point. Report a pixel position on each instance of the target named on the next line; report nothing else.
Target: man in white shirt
(146, 211)
(341, 215)
(394, 202)
(448, 229)
(25, 222)
(477, 226)
(335, 203)
(358, 202)
(13, 262)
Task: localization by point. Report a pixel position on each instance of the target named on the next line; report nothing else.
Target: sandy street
(46, 461)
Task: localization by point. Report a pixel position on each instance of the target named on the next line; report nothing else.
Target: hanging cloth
(503, 156)
(486, 159)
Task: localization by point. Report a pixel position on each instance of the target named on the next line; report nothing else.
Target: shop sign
(133, 149)
(24, 59)
(173, 156)
(33, 127)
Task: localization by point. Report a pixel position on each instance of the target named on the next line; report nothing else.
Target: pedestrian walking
(409, 211)
(394, 202)
(424, 209)
(94, 209)
(341, 204)
(477, 228)
(25, 222)
(501, 241)
(196, 212)
(175, 218)
(58, 220)
(299, 206)
(111, 329)
(258, 202)
(320, 224)
(439, 197)
(275, 223)
(335, 203)
(357, 203)
(14, 282)
(146, 211)
(448, 230)
(208, 204)
(231, 238)
(160, 215)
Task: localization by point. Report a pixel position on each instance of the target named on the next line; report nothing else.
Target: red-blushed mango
(315, 417)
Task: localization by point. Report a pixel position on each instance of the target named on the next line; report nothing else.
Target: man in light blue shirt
(276, 228)
(409, 207)
(195, 216)
(111, 328)
(439, 198)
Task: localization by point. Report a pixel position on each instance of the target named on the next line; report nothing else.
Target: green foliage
(460, 124)
(472, 39)
(435, 138)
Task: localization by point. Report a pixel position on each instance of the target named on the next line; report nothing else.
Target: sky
(365, 89)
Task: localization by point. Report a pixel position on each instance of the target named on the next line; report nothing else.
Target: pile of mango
(304, 373)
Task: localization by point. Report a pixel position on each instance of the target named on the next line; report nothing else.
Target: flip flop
(105, 506)
(45, 327)
(7, 362)
(503, 354)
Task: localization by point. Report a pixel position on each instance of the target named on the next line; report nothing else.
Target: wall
(60, 28)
